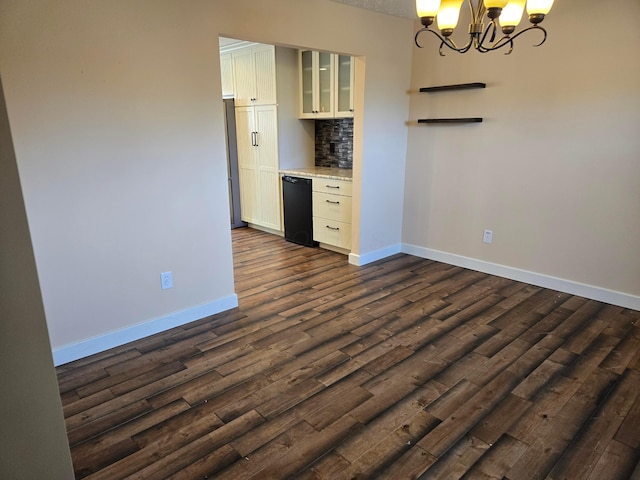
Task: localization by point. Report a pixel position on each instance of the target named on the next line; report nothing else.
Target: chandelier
(504, 15)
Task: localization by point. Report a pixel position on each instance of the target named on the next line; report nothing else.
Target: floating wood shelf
(451, 120)
(461, 86)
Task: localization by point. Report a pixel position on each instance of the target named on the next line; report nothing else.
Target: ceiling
(399, 8)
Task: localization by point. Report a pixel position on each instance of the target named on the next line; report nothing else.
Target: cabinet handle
(335, 203)
(253, 139)
(256, 144)
(333, 228)
(333, 186)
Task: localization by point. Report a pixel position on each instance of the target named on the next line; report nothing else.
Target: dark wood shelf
(451, 120)
(461, 86)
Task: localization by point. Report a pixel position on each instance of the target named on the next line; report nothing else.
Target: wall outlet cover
(166, 280)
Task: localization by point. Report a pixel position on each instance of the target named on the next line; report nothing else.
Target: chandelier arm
(452, 45)
(508, 40)
(510, 47)
(417, 35)
(533, 27)
(427, 29)
(443, 41)
(467, 47)
(480, 46)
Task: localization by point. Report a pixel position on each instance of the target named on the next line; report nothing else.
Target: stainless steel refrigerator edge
(232, 164)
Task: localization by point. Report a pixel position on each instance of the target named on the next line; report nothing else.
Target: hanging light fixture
(504, 16)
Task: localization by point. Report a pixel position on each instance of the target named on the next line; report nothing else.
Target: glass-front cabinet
(344, 86)
(326, 84)
(316, 84)
(306, 83)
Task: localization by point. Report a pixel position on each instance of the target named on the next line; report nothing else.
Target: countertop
(321, 172)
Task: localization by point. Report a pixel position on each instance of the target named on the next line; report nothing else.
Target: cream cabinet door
(247, 165)
(254, 73)
(265, 75)
(307, 82)
(257, 132)
(266, 121)
(226, 73)
(243, 77)
(316, 84)
(344, 81)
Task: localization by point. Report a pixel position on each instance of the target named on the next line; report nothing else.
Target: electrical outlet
(166, 280)
(488, 236)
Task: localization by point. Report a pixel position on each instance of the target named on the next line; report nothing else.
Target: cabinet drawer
(336, 187)
(333, 207)
(332, 232)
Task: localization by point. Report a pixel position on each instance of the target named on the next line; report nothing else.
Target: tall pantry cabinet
(257, 131)
(254, 80)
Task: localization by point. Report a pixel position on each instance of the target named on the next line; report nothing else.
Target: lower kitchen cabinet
(332, 212)
(332, 232)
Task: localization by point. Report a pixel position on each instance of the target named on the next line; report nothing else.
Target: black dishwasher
(298, 219)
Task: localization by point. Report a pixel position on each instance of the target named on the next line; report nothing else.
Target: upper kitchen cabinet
(254, 76)
(226, 71)
(316, 84)
(345, 67)
(326, 85)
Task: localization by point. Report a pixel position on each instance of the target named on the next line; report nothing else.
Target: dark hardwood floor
(405, 368)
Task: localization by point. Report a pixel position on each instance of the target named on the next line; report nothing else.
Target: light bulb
(495, 3)
(539, 7)
(427, 8)
(512, 14)
(448, 15)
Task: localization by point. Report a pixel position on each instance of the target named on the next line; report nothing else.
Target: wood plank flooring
(405, 368)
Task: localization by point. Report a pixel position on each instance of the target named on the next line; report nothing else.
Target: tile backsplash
(334, 143)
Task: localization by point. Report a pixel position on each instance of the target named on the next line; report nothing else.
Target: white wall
(553, 170)
(117, 121)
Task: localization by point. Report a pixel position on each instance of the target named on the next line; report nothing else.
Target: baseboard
(568, 286)
(90, 346)
(360, 260)
(272, 231)
(333, 248)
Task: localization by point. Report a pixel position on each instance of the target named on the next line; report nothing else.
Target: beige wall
(554, 168)
(117, 121)
(33, 443)
(297, 141)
